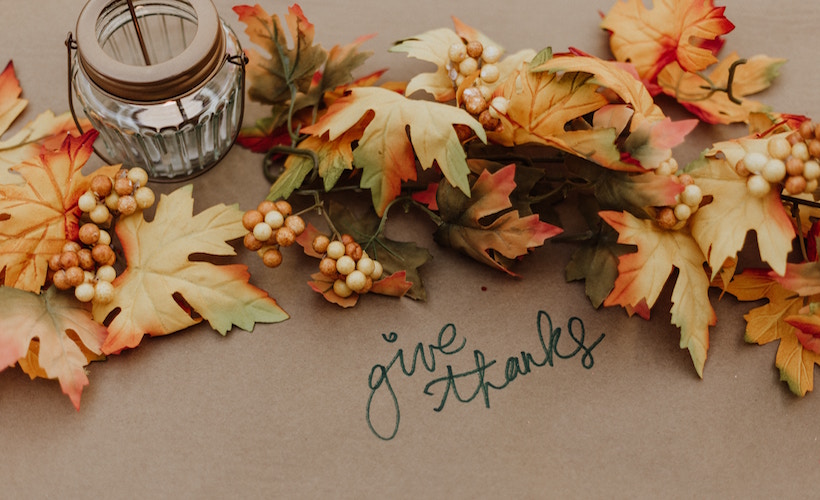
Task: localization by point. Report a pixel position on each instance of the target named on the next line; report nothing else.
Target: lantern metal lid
(153, 81)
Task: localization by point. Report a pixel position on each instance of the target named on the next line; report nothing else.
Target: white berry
(800, 150)
(491, 54)
(262, 231)
(105, 237)
(377, 270)
(366, 265)
(758, 186)
(682, 211)
(811, 170)
(754, 162)
(457, 52)
(144, 196)
(774, 170)
(103, 292)
(137, 176)
(356, 281)
(779, 147)
(468, 66)
(84, 292)
(692, 195)
(489, 73)
(341, 289)
(274, 219)
(99, 214)
(335, 249)
(87, 201)
(345, 264)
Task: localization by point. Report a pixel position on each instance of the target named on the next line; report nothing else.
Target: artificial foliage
(488, 145)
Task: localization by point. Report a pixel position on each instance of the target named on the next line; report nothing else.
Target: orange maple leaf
(36, 218)
(686, 31)
(50, 335)
(694, 92)
(643, 274)
(484, 225)
(771, 322)
(161, 284)
(395, 285)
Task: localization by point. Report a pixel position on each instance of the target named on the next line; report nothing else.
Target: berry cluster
(467, 59)
(792, 161)
(271, 225)
(347, 264)
(87, 265)
(686, 204)
(123, 195)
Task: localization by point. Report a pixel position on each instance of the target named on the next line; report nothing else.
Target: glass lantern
(162, 81)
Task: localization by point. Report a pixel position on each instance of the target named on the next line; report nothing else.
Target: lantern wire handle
(141, 40)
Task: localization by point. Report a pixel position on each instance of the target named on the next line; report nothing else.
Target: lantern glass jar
(162, 81)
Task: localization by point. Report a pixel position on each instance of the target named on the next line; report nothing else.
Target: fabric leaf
(162, 280)
(643, 274)
(466, 226)
(685, 31)
(62, 328)
(36, 218)
(386, 153)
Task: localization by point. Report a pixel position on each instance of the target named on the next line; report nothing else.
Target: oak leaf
(643, 274)
(770, 322)
(37, 217)
(720, 227)
(61, 327)
(386, 152)
(162, 279)
(45, 131)
(484, 225)
(684, 31)
(696, 93)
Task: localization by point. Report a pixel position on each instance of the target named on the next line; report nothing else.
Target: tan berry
(758, 186)
(366, 265)
(811, 170)
(251, 243)
(775, 170)
(491, 54)
(487, 121)
(251, 218)
(105, 237)
(101, 185)
(284, 207)
(69, 259)
(489, 73)
(474, 49)
(295, 224)
(320, 243)
(335, 249)
(345, 264)
(794, 138)
(814, 148)
(346, 238)
(378, 270)
(778, 147)
(100, 214)
(274, 219)
(60, 280)
(138, 176)
(87, 202)
(811, 186)
(356, 280)
(111, 201)
(457, 52)
(89, 233)
(475, 105)
(368, 284)
(500, 105)
(686, 179)
(144, 197)
(327, 266)
(468, 66)
(272, 257)
(341, 289)
(794, 166)
(75, 275)
(126, 205)
(740, 168)
(103, 292)
(70, 246)
(795, 185)
(106, 273)
(84, 292)
(122, 186)
(800, 150)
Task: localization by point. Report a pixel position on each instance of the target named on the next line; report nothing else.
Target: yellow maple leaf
(36, 218)
(720, 227)
(767, 323)
(386, 153)
(695, 92)
(46, 131)
(685, 31)
(643, 274)
(161, 283)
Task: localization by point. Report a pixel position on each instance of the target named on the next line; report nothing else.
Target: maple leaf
(695, 92)
(62, 329)
(161, 275)
(395, 256)
(769, 323)
(45, 131)
(720, 227)
(550, 97)
(433, 46)
(394, 285)
(684, 31)
(643, 274)
(36, 218)
(597, 264)
(271, 78)
(386, 153)
(465, 225)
